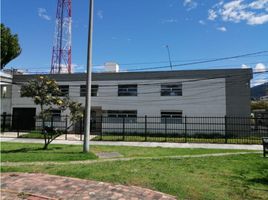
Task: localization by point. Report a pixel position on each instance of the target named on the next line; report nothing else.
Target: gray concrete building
(162, 94)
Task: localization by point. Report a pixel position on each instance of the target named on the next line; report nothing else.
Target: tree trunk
(45, 146)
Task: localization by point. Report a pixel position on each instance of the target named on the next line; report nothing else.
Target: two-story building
(172, 94)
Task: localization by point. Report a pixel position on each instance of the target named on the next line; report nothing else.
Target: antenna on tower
(62, 50)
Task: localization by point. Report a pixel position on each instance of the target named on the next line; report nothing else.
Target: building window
(171, 89)
(127, 90)
(171, 117)
(94, 90)
(64, 89)
(118, 115)
(56, 114)
(4, 91)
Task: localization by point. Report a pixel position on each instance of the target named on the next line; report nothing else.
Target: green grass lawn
(234, 177)
(36, 135)
(23, 152)
(253, 140)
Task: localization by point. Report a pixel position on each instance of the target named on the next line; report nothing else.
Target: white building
(172, 94)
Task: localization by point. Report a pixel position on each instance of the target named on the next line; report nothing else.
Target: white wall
(200, 98)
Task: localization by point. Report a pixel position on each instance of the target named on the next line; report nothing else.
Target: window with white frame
(118, 115)
(171, 117)
(94, 90)
(127, 90)
(171, 89)
(3, 91)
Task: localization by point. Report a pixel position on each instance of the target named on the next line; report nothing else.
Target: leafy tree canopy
(46, 93)
(10, 47)
(259, 105)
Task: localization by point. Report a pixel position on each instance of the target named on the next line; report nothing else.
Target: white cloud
(259, 4)
(190, 4)
(260, 67)
(243, 66)
(202, 22)
(222, 29)
(258, 81)
(42, 12)
(171, 20)
(212, 15)
(100, 14)
(253, 13)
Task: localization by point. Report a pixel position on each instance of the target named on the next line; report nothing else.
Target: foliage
(259, 105)
(45, 92)
(75, 108)
(10, 47)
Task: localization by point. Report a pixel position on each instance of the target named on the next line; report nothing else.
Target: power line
(187, 62)
(201, 62)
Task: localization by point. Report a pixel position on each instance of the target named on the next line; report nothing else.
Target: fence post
(165, 129)
(101, 127)
(185, 128)
(226, 129)
(145, 127)
(123, 128)
(66, 126)
(80, 128)
(4, 121)
(18, 126)
(51, 122)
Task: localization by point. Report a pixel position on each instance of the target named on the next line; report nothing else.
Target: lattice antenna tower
(61, 61)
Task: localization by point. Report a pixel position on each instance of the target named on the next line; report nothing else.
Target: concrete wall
(215, 93)
(199, 98)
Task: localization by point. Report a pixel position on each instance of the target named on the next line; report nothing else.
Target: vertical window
(171, 117)
(94, 90)
(127, 90)
(64, 89)
(4, 91)
(171, 89)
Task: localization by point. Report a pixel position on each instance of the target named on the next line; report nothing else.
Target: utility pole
(89, 68)
(169, 57)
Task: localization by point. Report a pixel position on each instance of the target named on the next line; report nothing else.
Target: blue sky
(129, 32)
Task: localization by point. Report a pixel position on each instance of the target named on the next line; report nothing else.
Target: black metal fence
(239, 130)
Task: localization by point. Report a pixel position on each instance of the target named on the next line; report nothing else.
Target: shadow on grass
(263, 181)
(32, 150)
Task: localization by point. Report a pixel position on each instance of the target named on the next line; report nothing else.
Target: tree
(45, 92)
(259, 105)
(10, 47)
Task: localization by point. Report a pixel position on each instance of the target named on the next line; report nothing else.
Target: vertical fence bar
(66, 126)
(145, 127)
(51, 121)
(185, 128)
(81, 128)
(165, 128)
(18, 126)
(101, 127)
(4, 121)
(226, 129)
(123, 128)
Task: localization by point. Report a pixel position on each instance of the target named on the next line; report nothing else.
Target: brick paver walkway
(43, 186)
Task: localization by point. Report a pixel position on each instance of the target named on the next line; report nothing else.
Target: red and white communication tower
(62, 50)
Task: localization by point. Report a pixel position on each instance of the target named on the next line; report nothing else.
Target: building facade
(190, 93)
(134, 95)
